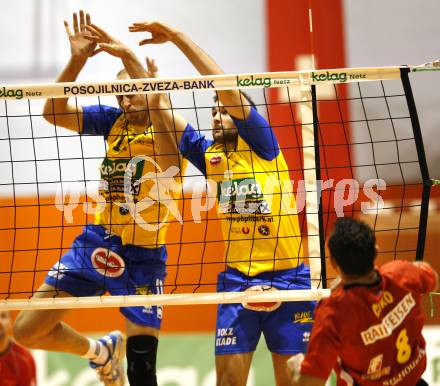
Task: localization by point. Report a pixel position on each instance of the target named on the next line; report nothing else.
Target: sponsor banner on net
(11, 93)
(336, 76)
(137, 88)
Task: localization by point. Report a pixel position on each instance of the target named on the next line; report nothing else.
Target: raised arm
(235, 103)
(162, 119)
(168, 127)
(116, 48)
(58, 111)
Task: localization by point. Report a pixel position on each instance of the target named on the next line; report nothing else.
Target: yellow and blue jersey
(124, 142)
(255, 201)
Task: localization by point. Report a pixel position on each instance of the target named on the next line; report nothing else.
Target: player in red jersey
(370, 329)
(17, 367)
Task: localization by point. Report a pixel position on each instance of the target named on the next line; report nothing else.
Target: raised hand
(106, 42)
(151, 68)
(160, 32)
(80, 45)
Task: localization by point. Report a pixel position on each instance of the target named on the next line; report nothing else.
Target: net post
(319, 187)
(427, 183)
(311, 184)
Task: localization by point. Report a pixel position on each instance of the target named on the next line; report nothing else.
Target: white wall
(34, 49)
(396, 32)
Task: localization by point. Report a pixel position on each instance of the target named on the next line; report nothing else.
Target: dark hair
(353, 245)
(243, 100)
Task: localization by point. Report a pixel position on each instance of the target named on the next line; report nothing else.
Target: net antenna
(312, 171)
(306, 80)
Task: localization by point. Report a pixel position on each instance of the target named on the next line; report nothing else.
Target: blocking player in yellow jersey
(255, 201)
(123, 252)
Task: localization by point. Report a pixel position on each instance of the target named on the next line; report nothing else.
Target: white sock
(97, 352)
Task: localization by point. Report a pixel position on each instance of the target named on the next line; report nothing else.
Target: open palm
(80, 44)
(160, 32)
(106, 42)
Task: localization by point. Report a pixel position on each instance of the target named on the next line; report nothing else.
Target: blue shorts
(98, 262)
(286, 326)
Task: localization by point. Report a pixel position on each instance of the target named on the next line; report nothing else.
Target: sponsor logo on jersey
(123, 210)
(406, 370)
(117, 167)
(225, 337)
(148, 310)
(107, 262)
(144, 290)
(303, 317)
(245, 230)
(58, 271)
(384, 301)
(261, 306)
(264, 230)
(375, 370)
(215, 160)
(112, 177)
(152, 290)
(390, 321)
(242, 196)
(306, 336)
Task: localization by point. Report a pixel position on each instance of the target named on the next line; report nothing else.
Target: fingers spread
(93, 31)
(92, 38)
(97, 51)
(146, 41)
(68, 30)
(99, 30)
(82, 21)
(75, 23)
(106, 47)
(151, 65)
(139, 27)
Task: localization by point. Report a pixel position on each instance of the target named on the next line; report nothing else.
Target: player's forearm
(231, 99)
(165, 140)
(165, 119)
(55, 106)
(133, 66)
(204, 64)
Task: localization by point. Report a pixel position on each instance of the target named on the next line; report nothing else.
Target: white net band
(212, 82)
(171, 299)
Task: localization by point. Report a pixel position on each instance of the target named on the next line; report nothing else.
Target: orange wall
(42, 235)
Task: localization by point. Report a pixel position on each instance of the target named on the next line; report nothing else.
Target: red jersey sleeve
(322, 352)
(17, 367)
(28, 373)
(417, 276)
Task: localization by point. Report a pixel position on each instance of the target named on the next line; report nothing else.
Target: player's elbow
(48, 112)
(24, 333)
(434, 284)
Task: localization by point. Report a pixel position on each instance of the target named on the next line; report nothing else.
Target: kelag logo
(17, 94)
(117, 168)
(327, 76)
(251, 81)
(244, 188)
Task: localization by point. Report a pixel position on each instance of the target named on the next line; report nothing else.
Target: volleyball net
(352, 143)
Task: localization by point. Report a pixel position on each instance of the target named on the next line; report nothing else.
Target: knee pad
(141, 360)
